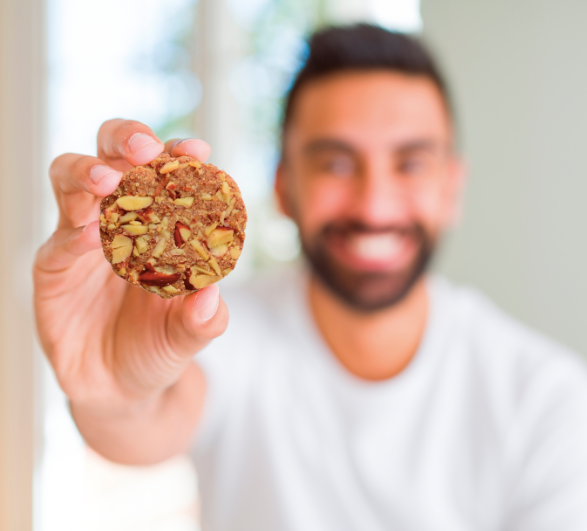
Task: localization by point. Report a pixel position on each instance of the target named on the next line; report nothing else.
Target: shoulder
(508, 355)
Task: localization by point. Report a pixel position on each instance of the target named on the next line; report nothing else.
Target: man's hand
(122, 356)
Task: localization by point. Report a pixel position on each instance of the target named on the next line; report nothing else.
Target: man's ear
(458, 178)
(280, 189)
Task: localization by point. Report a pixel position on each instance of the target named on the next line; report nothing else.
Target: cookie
(173, 226)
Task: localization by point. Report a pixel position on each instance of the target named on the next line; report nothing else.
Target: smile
(383, 251)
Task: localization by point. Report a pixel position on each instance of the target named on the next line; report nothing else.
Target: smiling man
(356, 393)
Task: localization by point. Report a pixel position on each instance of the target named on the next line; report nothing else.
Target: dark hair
(364, 47)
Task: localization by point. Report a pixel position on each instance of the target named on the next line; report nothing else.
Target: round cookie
(173, 226)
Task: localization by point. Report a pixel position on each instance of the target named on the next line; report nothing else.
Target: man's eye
(339, 166)
(413, 166)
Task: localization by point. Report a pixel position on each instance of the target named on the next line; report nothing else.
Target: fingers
(191, 147)
(126, 143)
(201, 317)
(66, 246)
(72, 173)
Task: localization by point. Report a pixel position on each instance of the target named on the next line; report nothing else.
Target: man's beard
(368, 291)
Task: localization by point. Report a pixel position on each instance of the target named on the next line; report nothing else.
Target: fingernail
(194, 148)
(210, 311)
(184, 141)
(97, 173)
(140, 141)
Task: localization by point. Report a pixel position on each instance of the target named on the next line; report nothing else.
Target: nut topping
(172, 290)
(169, 167)
(201, 270)
(135, 230)
(200, 249)
(214, 265)
(209, 229)
(129, 216)
(161, 243)
(121, 248)
(133, 202)
(154, 278)
(201, 281)
(148, 216)
(220, 236)
(181, 234)
(184, 201)
(219, 250)
(141, 244)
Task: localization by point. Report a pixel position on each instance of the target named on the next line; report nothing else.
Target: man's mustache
(349, 227)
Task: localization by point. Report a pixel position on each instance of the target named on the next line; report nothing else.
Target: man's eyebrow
(327, 144)
(419, 145)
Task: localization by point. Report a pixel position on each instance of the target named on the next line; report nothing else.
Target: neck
(374, 346)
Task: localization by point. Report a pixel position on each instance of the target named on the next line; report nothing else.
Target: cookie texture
(173, 226)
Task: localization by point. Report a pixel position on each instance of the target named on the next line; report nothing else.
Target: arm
(122, 356)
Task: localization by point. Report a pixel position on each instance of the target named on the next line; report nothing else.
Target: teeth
(375, 246)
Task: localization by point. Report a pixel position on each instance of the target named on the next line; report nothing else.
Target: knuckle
(81, 165)
(57, 165)
(110, 128)
(109, 124)
(124, 124)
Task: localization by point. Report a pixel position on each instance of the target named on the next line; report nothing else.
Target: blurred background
(218, 70)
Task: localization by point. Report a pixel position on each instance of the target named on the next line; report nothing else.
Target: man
(357, 394)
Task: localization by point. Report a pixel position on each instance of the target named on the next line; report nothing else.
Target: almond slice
(135, 230)
(201, 281)
(219, 250)
(133, 202)
(199, 249)
(141, 244)
(230, 207)
(169, 167)
(181, 234)
(161, 244)
(184, 201)
(201, 270)
(121, 248)
(129, 216)
(214, 264)
(171, 289)
(210, 228)
(112, 216)
(220, 236)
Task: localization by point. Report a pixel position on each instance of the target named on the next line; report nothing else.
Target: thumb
(198, 319)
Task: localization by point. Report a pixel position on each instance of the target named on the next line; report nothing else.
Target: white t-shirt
(486, 429)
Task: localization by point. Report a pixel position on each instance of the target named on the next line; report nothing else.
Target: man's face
(370, 179)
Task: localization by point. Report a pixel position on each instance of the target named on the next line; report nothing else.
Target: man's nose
(380, 197)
